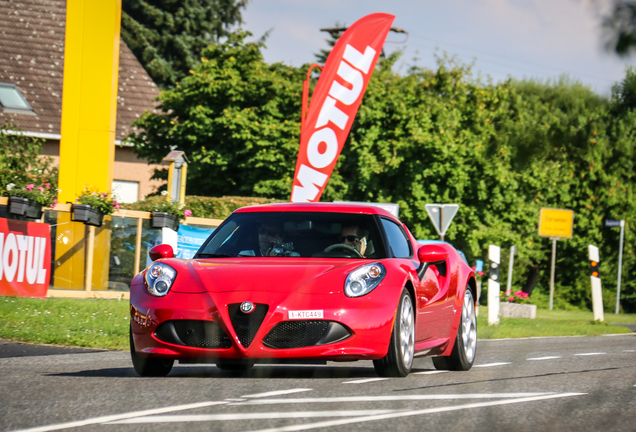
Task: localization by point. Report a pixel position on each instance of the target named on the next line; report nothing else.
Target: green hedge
(205, 207)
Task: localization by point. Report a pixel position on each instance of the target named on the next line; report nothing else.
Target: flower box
(87, 214)
(516, 310)
(164, 220)
(25, 207)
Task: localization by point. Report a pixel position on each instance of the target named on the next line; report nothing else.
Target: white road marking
(235, 400)
(249, 416)
(544, 358)
(492, 364)
(114, 417)
(276, 393)
(629, 351)
(357, 399)
(364, 381)
(331, 423)
(589, 354)
(429, 372)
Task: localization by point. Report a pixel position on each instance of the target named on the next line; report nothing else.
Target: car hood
(266, 274)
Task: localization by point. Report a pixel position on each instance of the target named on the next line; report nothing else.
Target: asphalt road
(564, 384)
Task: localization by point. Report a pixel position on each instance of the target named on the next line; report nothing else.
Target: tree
(168, 36)
(620, 27)
(236, 117)
(502, 152)
(21, 162)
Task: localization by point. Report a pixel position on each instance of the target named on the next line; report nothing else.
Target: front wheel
(148, 367)
(399, 360)
(463, 355)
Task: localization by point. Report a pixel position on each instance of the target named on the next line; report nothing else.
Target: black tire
(149, 367)
(463, 355)
(235, 365)
(399, 360)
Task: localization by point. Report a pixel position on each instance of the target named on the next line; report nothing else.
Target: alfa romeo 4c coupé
(318, 281)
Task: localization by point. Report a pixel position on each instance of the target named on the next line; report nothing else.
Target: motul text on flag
(335, 103)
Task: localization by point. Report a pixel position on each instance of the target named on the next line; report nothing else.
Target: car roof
(317, 207)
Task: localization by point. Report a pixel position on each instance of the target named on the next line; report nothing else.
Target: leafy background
(501, 151)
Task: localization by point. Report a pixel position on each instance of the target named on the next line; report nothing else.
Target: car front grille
(246, 325)
(193, 333)
(299, 334)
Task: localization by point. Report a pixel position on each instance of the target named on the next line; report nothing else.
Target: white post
(620, 267)
(554, 240)
(171, 237)
(513, 250)
(494, 253)
(595, 279)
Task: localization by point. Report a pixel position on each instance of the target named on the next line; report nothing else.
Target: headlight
(159, 279)
(363, 280)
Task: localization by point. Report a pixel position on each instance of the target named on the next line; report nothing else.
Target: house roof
(32, 58)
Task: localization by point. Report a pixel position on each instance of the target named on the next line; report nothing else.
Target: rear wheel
(463, 354)
(399, 360)
(148, 367)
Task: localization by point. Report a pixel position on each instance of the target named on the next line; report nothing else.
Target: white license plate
(306, 314)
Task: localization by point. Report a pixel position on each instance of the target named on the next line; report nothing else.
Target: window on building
(125, 191)
(12, 100)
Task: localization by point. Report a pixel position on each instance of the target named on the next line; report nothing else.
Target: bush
(204, 207)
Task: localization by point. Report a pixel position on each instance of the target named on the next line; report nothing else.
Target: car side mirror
(161, 251)
(432, 253)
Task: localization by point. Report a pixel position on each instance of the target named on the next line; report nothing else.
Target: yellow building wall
(89, 110)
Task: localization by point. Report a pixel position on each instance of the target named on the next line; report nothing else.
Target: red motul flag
(335, 103)
(25, 258)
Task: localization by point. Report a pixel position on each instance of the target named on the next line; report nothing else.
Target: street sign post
(621, 224)
(513, 251)
(441, 215)
(555, 224)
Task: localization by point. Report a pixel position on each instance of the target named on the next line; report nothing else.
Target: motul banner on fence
(25, 258)
(335, 103)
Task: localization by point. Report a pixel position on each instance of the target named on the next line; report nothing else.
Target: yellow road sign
(556, 223)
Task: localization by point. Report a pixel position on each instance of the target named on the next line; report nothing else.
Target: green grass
(95, 323)
(99, 323)
(552, 323)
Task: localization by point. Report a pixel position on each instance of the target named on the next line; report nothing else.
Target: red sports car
(317, 281)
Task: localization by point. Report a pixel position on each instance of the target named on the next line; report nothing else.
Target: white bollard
(597, 292)
(494, 253)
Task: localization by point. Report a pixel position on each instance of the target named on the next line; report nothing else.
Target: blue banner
(190, 240)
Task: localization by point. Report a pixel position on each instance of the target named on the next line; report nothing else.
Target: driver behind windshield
(269, 234)
(354, 236)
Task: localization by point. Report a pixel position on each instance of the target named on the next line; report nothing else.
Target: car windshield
(295, 234)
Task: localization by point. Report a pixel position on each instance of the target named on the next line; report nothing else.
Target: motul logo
(335, 103)
(22, 258)
(323, 147)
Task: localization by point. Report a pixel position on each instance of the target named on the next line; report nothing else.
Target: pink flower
(46, 185)
(115, 205)
(187, 213)
(41, 188)
(29, 187)
(511, 299)
(103, 194)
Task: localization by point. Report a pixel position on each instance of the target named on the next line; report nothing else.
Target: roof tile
(32, 58)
